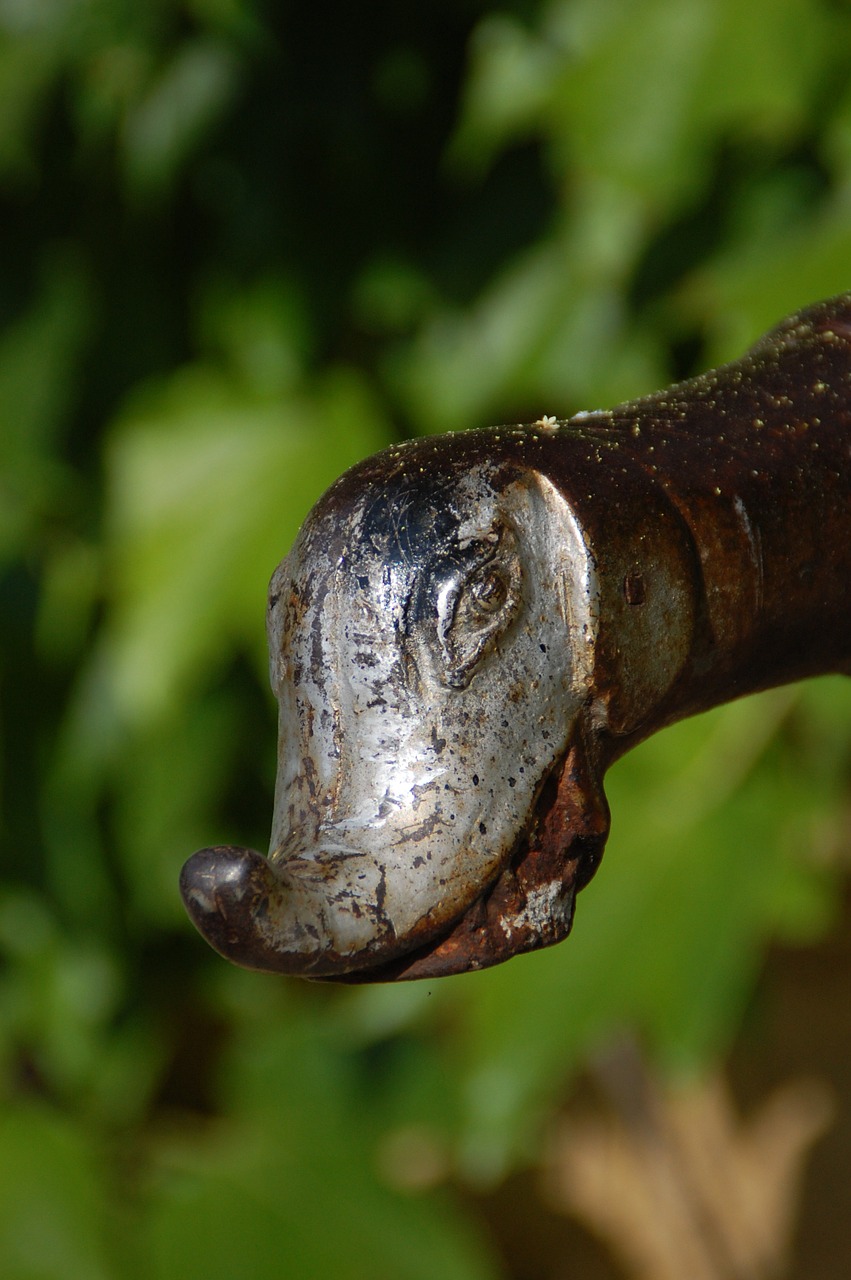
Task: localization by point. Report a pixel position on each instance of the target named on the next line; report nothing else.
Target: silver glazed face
(431, 637)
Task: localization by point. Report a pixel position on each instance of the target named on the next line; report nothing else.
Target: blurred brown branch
(677, 1183)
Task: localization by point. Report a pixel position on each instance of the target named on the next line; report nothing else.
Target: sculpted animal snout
(311, 917)
(469, 630)
(425, 692)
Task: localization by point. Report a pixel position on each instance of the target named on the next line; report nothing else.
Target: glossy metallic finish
(470, 629)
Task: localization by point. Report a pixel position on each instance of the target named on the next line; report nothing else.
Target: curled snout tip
(227, 891)
(302, 917)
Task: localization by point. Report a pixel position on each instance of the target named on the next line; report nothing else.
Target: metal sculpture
(470, 629)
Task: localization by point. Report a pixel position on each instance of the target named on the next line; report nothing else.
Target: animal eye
(477, 611)
(488, 592)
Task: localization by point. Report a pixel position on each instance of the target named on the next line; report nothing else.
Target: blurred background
(243, 245)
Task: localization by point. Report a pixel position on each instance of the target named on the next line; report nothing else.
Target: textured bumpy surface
(470, 629)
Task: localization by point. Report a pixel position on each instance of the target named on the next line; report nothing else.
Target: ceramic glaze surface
(470, 629)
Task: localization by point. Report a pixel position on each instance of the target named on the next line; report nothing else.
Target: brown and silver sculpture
(470, 629)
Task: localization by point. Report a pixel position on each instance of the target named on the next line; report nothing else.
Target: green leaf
(541, 335)
(766, 273)
(509, 84)
(207, 488)
(52, 1193)
(39, 357)
(173, 776)
(704, 865)
(178, 109)
(291, 1183)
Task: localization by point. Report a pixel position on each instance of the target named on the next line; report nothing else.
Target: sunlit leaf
(173, 116)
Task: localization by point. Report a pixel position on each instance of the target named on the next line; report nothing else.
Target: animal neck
(761, 572)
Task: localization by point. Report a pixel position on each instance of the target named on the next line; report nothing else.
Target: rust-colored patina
(471, 629)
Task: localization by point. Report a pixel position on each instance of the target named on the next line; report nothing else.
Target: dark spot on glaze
(634, 590)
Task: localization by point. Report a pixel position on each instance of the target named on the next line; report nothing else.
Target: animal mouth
(510, 917)
(279, 917)
(231, 893)
(531, 903)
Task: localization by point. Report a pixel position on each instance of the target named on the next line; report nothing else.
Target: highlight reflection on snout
(312, 915)
(221, 886)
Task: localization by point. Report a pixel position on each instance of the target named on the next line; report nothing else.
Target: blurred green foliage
(243, 246)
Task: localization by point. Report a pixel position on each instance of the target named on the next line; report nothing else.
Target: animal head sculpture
(470, 629)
